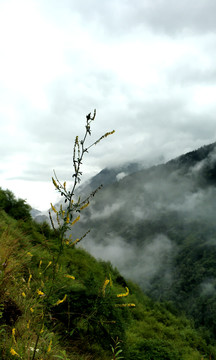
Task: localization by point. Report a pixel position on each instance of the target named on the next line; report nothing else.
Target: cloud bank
(147, 67)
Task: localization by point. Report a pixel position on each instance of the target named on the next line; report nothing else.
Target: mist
(141, 222)
(135, 262)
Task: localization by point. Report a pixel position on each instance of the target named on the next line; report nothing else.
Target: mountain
(82, 308)
(109, 176)
(39, 217)
(157, 226)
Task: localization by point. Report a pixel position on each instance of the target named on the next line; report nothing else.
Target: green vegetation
(59, 302)
(165, 217)
(18, 209)
(89, 321)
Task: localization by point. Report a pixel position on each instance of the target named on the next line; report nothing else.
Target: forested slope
(158, 227)
(91, 308)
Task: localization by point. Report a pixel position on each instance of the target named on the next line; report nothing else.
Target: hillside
(158, 227)
(91, 307)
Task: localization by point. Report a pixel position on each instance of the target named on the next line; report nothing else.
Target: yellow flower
(49, 263)
(29, 254)
(23, 294)
(77, 219)
(31, 309)
(39, 292)
(40, 263)
(42, 329)
(67, 241)
(61, 301)
(84, 206)
(104, 136)
(106, 282)
(53, 208)
(54, 183)
(124, 294)
(70, 277)
(68, 218)
(109, 133)
(30, 276)
(49, 347)
(28, 324)
(75, 242)
(13, 352)
(13, 335)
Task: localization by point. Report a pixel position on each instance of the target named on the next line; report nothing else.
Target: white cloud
(148, 67)
(135, 262)
(120, 175)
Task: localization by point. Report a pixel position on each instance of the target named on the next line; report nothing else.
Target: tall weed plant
(43, 289)
(58, 302)
(63, 220)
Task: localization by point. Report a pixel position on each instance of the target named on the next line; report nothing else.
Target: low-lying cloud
(139, 263)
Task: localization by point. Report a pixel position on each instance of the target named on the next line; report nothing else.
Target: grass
(85, 324)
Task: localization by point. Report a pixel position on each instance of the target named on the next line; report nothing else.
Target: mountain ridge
(157, 226)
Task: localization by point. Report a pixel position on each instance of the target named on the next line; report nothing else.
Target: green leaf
(118, 352)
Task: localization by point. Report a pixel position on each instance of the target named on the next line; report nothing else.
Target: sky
(147, 67)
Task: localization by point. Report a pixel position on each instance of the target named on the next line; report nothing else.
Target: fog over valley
(157, 226)
(108, 133)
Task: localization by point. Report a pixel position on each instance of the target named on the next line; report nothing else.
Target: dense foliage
(60, 302)
(17, 208)
(92, 317)
(165, 216)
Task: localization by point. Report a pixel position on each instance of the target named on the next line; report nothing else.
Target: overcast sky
(147, 66)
